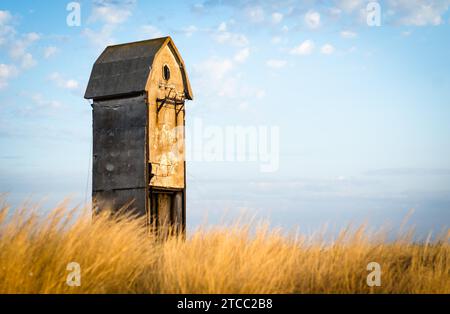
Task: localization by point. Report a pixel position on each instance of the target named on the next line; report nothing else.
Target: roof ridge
(139, 41)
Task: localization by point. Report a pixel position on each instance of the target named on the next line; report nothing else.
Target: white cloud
(39, 100)
(352, 49)
(5, 17)
(18, 50)
(16, 45)
(27, 61)
(60, 81)
(31, 37)
(222, 27)
(342, 12)
(327, 49)
(223, 36)
(50, 51)
(260, 93)
(275, 63)
(243, 106)
(334, 12)
(101, 38)
(242, 55)
(19, 46)
(111, 12)
(216, 77)
(189, 30)
(7, 71)
(198, 8)
(150, 31)
(419, 12)
(219, 82)
(277, 17)
(255, 14)
(312, 19)
(305, 48)
(215, 67)
(404, 12)
(5, 33)
(348, 34)
(350, 6)
(6, 30)
(406, 33)
(276, 40)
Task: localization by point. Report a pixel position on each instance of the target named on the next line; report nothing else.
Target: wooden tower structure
(138, 92)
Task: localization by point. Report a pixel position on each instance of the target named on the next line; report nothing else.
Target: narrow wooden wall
(166, 138)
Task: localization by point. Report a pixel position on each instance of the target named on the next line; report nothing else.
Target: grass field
(118, 255)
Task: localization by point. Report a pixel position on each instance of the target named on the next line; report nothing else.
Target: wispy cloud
(276, 63)
(312, 19)
(40, 101)
(7, 71)
(255, 14)
(37, 104)
(305, 48)
(277, 17)
(219, 78)
(327, 49)
(242, 55)
(18, 50)
(223, 36)
(6, 30)
(409, 172)
(150, 31)
(348, 34)
(404, 12)
(101, 38)
(189, 30)
(110, 13)
(64, 83)
(418, 12)
(50, 51)
(349, 6)
(17, 47)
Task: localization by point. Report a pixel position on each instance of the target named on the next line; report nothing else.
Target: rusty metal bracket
(176, 103)
(179, 110)
(160, 105)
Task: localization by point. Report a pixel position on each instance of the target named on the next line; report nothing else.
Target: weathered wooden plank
(120, 113)
(119, 149)
(119, 159)
(177, 209)
(166, 133)
(134, 199)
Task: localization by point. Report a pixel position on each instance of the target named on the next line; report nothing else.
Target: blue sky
(362, 111)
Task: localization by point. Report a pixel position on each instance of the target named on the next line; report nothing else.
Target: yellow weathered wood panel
(166, 138)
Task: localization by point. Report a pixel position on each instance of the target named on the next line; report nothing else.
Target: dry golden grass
(118, 255)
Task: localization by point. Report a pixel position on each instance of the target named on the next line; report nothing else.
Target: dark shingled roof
(123, 69)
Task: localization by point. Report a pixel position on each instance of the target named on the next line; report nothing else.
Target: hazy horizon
(362, 111)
